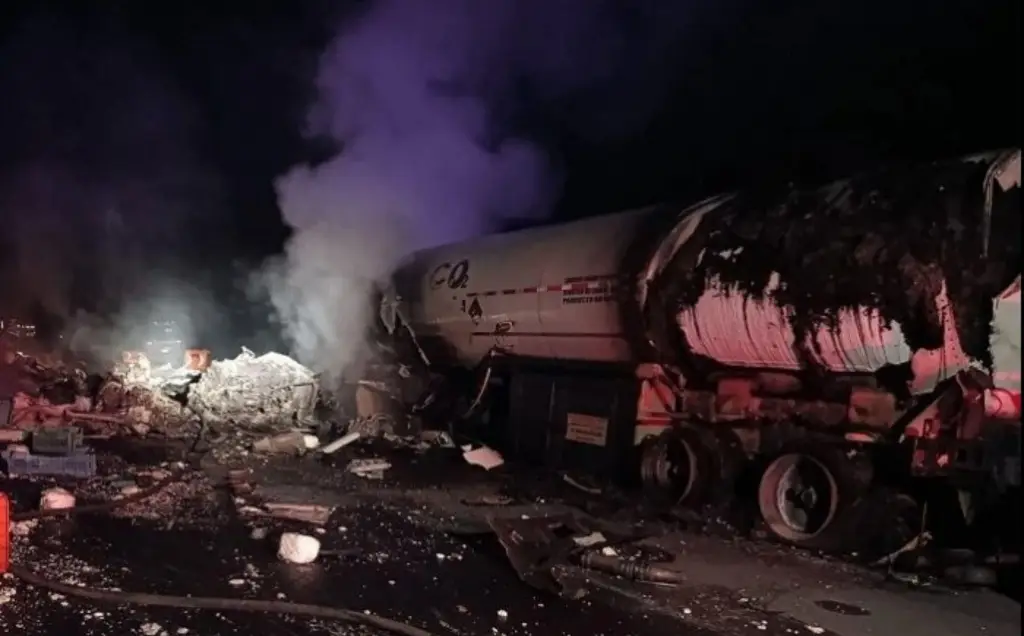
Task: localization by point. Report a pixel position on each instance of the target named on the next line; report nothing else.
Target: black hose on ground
(219, 604)
(190, 602)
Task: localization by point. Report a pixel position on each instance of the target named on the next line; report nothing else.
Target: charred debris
(248, 395)
(265, 404)
(883, 241)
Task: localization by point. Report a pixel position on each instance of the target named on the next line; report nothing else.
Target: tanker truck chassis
(800, 351)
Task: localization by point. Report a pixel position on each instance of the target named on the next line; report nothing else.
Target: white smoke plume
(430, 103)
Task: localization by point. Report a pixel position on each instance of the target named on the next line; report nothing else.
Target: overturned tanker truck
(800, 349)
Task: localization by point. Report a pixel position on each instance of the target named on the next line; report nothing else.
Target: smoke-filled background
(104, 194)
(430, 105)
(155, 158)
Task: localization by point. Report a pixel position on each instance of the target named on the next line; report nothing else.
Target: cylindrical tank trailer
(778, 325)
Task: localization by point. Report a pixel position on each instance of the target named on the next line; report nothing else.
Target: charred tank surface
(828, 341)
(865, 271)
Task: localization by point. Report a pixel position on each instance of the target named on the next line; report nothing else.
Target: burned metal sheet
(534, 545)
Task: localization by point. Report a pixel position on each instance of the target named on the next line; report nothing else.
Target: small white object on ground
(590, 539)
(293, 442)
(369, 468)
(151, 629)
(56, 499)
(341, 442)
(298, 548)
(23, 528)
(484, 457)
(311, 441)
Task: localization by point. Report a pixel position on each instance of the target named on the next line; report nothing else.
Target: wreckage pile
(267, 393)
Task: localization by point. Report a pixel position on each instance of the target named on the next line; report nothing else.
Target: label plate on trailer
(586, 429)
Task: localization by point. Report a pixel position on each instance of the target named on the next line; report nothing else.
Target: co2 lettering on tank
(451, 276)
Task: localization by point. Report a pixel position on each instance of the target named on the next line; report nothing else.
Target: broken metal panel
(1003, 400)
(656, 402)
(535, 545)
(932, 366)
(1004, 171)
(1006, 342)
(674, 241)
(956, 432)
(1007, 175)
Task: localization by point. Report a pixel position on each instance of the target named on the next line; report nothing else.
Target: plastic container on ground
(78, 465)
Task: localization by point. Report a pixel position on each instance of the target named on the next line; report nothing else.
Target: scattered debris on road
(309, 513)
(270, 393)
(123, 445)
(369, 468)
(484, 457)
(341, 442)
(291, 443)
(56, 499)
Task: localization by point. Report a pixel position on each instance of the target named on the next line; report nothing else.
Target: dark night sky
(777, 90)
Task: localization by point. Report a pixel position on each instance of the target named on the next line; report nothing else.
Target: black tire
(678, 467)
(846, 484)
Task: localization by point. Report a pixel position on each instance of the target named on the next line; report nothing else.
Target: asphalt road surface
(388, 553)
(397, 570)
